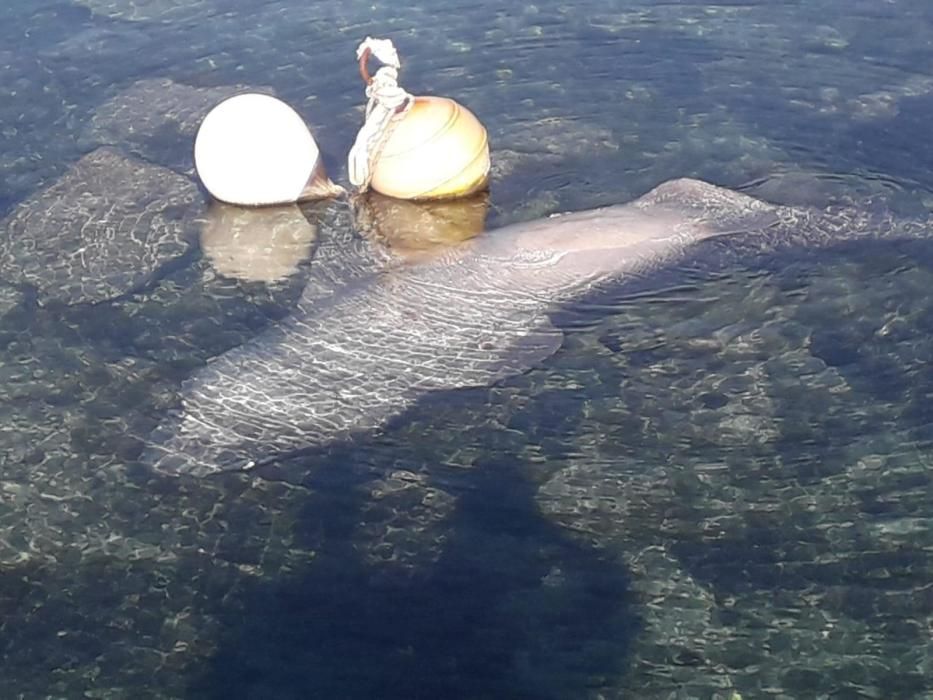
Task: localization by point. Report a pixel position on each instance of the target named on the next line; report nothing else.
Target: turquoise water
(716, 488)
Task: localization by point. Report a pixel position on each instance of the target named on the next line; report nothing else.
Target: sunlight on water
(719, 487)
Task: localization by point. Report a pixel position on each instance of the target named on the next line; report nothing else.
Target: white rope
(387, 103)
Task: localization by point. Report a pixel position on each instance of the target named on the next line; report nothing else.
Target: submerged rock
(102, 230)
(157, 119)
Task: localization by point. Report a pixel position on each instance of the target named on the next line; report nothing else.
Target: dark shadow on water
(511, 608)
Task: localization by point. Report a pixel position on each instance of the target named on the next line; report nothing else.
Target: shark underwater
(479, 312)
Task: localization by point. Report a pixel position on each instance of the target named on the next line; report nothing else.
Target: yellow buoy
(438, 149)
(414, 147)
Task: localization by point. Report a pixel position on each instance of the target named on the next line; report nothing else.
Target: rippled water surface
(717, 488)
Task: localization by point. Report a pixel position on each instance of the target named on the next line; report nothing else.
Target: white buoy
(255, 150)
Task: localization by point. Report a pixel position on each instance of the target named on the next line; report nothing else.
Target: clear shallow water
(719, 486)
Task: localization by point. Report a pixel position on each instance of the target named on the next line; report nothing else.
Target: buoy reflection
(419, 230)
(256, 245)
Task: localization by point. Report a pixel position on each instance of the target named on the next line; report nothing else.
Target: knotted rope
(387, 104)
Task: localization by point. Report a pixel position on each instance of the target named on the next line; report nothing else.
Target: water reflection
(420, 230)
(257, 245)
